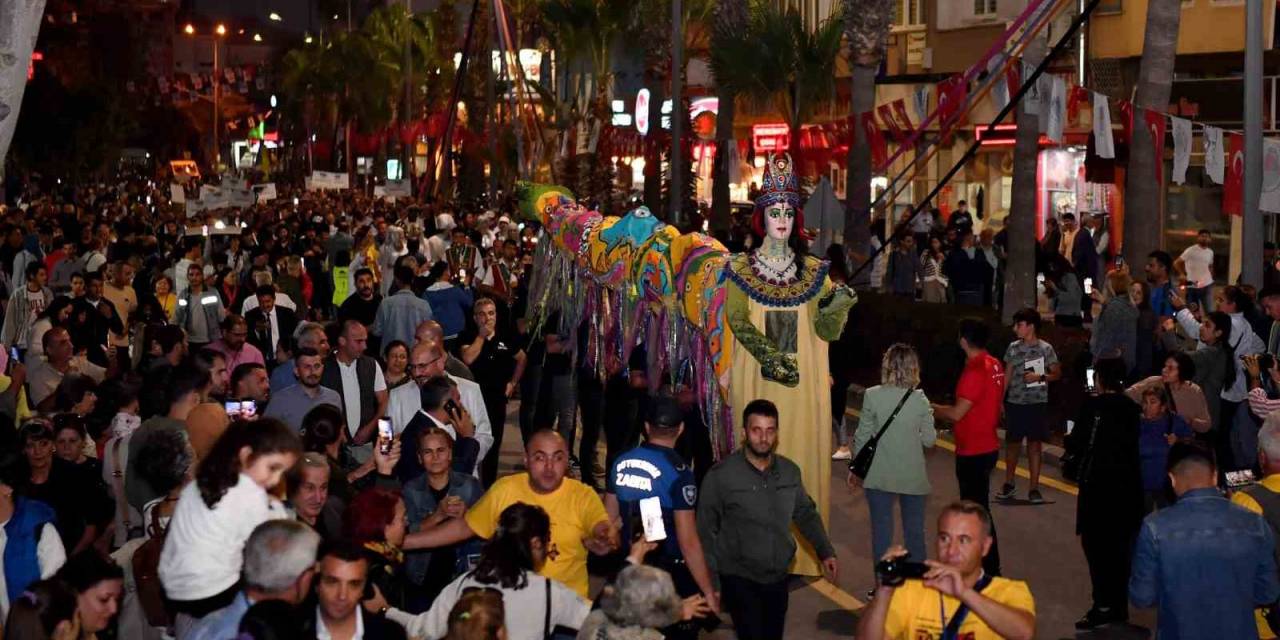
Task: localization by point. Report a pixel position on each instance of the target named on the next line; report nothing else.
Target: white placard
(177, 195)
(266, 192)
(330, 180)
(397, 189)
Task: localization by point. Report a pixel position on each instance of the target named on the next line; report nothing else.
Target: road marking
(1021, 472)
(837, 595)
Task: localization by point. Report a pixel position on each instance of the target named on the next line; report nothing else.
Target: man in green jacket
(749, 501)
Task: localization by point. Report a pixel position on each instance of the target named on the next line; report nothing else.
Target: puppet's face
(779, 219)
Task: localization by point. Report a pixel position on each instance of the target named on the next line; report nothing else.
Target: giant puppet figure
(783, 309)
(733, 327)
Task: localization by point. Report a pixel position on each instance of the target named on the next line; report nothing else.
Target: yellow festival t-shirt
(574, 510)
(914, 612)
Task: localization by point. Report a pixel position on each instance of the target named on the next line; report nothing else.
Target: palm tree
(779, 63)
(404, 46)
(730, 23)
(867, 25)
(1142, 195)
(1019, 275)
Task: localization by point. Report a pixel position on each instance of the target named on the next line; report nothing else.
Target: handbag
(861, 464)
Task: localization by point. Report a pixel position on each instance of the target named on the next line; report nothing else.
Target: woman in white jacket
(202, 556)
(534, 605)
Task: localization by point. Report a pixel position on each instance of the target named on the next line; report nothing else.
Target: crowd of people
(288, 421)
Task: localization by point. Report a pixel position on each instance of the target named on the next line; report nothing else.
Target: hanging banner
(920, 102)
(874, 138)
(1155, 123)
(1270, 201)
(1076, 96)
(397, 189)
(1104, 142)
(900, 110)
(1054, 115)
(1033, 100)
(1000, 91)
(1182, 141)
(1213, 150)
(1233, 187)
(330, 180)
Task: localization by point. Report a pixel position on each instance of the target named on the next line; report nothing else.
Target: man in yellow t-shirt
(954, 593)
(1264, 497)
(579, 523)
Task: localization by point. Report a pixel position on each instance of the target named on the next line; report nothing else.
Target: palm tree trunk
(1143, 201)
(857, 229)
(653, 150)
(720, 197)
(1020, 271)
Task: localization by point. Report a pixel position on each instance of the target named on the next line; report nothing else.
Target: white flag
(1181, 149)
(1103, 143)
(1055, 113)
(920, 101)
(1033, 99)
(1270, 200)
(999, 88)
(1214, 166)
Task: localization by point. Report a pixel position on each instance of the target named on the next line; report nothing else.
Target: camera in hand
(1265, 362)
(894, 572)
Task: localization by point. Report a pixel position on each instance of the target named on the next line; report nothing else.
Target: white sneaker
(843, 453)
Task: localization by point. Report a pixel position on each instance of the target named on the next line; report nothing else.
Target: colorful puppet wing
(538, 202)
(701, 283)
(653, 270)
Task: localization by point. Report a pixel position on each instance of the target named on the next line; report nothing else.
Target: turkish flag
(875, 139)
(1126, 122)
(1078, 96)
(951, 96)
(1233, 188)
(1155, 123)
(886, 116)
(1013, 81)
(900, 109)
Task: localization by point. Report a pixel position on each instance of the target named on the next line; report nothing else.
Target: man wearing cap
(653, 479)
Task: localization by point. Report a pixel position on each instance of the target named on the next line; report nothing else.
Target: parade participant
(783, 310)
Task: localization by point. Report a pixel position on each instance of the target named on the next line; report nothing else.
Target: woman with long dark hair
(509, 564)
(98, 584)
(46, 610)
(201, 561)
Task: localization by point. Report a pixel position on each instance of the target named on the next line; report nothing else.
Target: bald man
(427, 361)
(579, 522)
(431, 331)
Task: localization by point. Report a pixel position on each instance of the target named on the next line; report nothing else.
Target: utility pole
(678, 114)
(1251, 245)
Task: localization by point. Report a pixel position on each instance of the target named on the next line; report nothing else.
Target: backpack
(146, 575)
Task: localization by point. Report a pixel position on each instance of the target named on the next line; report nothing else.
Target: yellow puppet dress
(782, 328)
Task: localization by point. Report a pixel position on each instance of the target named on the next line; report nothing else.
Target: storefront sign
(770, 137)
(916, 43)
(642, 112)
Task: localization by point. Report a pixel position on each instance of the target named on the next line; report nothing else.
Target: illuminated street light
(275, 17)
(307, 39)
(220, 30)
(190, 29)
(257, 37)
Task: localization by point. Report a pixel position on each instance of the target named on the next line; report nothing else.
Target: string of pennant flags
(1058, 102)
(189, 86)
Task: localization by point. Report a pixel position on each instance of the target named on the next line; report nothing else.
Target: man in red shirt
(976, 415)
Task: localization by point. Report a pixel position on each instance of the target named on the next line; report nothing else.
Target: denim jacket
(1206, 563)
(419, 503)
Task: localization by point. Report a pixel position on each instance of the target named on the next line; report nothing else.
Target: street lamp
(274, 17)
(219, 30)
(257, 37)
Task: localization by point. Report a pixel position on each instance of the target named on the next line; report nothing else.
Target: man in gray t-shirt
(1030, 364)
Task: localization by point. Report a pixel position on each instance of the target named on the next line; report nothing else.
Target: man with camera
(951, 597)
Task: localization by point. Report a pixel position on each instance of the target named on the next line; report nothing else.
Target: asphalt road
(1037, 544)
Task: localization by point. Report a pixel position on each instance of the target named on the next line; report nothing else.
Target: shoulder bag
(861, 464)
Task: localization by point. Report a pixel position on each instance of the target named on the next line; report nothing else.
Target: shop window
(1194, 206)
(908, 14)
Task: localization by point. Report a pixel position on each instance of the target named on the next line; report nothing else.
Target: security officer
(654, 474)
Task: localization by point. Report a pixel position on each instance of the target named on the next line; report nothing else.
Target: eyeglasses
(420, 366)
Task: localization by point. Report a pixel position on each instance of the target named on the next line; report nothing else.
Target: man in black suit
(269, 324)
(1078, 248)
(342, 578)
